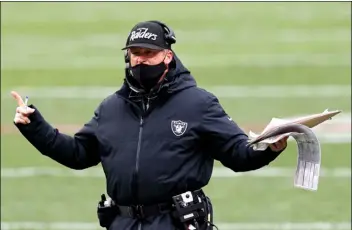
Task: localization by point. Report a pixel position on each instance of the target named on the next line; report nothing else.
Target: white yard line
(222, 226)
(105, 52)
(222, 91)
(263, 60)
(219, 172)
(242, 35)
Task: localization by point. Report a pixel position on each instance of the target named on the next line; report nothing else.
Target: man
(156, 138)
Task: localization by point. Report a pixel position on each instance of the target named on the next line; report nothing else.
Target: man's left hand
(279, 146)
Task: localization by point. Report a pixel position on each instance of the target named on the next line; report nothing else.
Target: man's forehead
(143, 49)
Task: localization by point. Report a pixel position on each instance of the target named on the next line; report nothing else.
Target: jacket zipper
(136, 171)
(135, 178)
(135, 188)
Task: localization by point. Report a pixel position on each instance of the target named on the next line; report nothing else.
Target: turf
(223, 44)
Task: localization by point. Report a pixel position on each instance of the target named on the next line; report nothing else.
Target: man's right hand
(22, 111)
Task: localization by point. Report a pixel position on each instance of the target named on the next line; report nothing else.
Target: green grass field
(299, 53)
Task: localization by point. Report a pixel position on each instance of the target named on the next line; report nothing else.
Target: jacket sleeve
(77, 152)
(228, 143)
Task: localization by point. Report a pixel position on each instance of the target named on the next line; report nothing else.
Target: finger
(21, 120)
(274, 147)
(280, 145)
(26, 120)
(26, 111)
(18, 98)
(283, 142)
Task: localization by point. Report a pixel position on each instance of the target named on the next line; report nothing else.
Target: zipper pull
(148, 104)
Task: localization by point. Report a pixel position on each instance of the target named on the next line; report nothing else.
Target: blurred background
(262, 60)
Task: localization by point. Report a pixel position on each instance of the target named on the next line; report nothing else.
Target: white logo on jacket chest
(178, 127)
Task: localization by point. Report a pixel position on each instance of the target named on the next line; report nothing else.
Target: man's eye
(148, 53)
(144, 53)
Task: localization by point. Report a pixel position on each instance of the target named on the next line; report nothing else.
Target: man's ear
(168, 57)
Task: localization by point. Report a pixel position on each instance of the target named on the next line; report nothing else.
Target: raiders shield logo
(178, 127)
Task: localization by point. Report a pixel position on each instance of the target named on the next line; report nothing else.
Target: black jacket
(150, 156)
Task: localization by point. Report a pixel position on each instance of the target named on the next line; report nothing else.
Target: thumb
(30, 110)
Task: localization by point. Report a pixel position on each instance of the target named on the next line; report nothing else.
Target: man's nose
(140, 59)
